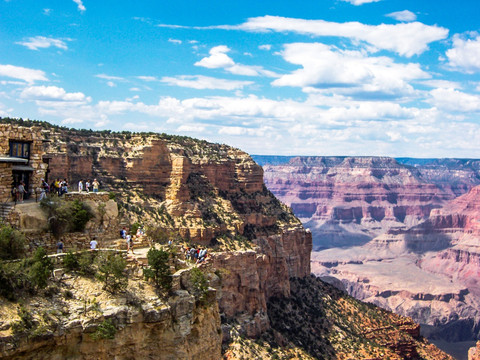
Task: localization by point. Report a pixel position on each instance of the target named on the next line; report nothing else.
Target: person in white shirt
(93, 244)
(80, 186)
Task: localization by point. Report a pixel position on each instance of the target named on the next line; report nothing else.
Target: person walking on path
(21, 191)
(60, 247)
(80, 186)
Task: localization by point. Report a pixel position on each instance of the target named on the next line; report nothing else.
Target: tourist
(43, 191)
(93, 244)
(95, 185)
(21, 191)
(80, 186)
(87, 185)
(123, 233)
(129, 241)
(57, 187)
(64, 186)
(60, 247)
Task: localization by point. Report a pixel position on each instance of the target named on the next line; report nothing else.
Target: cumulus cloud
(80, 5)
(465, 54)
(326, 67)
(404, 15)
(454, 100)
(42, 42)
(219, 59)
(175, 41)
(406, 39)
(265, 47)
(360, 2)
(52, 93)
(22, 73)
(205, 82)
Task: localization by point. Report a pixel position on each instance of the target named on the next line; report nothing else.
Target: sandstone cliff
(212, 195)
(347, 201)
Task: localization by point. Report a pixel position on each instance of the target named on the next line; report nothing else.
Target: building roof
(11, 159)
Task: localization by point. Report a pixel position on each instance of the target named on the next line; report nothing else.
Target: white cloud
(219, 59)
(404, 15)
(406, 39)
(52, 93)
(111, 84)
(175, 41)
(465, 54)
(42, 42)
(80, 5)
(109, 77)
(441, 84)
(360, 2)
(193, 128)
(205, 82)
(26, 74)
(265, 47)
(71, 121)
(47, 11)
(454, 100)
(134, 89)
(147, 78)
(347, 71)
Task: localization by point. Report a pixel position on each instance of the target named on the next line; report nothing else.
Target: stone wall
(25, 134)
(104, 226)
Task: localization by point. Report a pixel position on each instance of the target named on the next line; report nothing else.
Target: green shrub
(111, 271)
(65, 216)
(86, 263)
(200, 285)
(70, 261)
(106, 330)
(159, 268)
(12, 243)
(41, 268)
(26, 322)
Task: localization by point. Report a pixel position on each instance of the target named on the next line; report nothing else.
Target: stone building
(21, 159)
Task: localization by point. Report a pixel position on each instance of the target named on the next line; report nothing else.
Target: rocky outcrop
(474, 352)
(140, 325)
(348, 201)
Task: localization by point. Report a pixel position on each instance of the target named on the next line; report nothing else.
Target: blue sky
(323, 77)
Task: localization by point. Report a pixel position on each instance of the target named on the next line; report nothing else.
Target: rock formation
(212, 195)
(347, 201)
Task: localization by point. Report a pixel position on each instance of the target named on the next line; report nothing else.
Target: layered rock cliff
(348, 201)
(211, 195)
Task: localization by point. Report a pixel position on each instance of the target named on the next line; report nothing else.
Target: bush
(40, 268)
(70, 261)
(134, 228)
(159, 269)
(200, 285)
(111, 271)
(86, 263)
(106, 330)
(65, 216)
(12, 243)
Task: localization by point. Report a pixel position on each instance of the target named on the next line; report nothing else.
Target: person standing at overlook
(95, 185)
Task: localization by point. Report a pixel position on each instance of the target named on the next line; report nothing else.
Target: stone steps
(5, 209)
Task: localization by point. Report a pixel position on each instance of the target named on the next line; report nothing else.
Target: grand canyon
(399, 233)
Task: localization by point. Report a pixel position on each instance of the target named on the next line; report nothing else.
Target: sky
(311, 77)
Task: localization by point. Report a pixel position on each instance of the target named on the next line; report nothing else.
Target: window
(20, 149)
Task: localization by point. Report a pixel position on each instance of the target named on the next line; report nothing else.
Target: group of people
(129, 238)
(88, 185)
(19, 192)
(197, 255)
